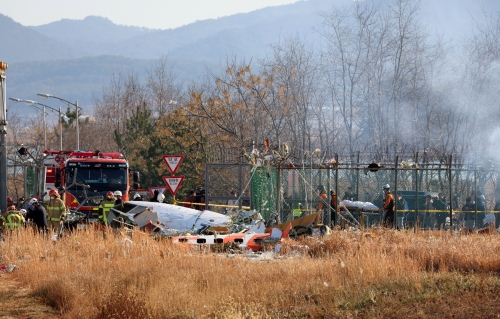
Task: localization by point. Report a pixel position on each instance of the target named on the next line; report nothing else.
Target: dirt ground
(460, 305)
(20, 303)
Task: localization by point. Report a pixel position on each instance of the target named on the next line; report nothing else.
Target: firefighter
(388, 207)
(56, 210)
(9, 202)
(333, 207)
(20, 203)
(323, 200)
(105, 207)
(297, 212)
(12, 218)
(118, 196)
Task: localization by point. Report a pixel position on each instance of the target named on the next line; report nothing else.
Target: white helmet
(118, 193)
(33, 200)
(386, 186)
(23, 211)
(136, 196)
(160, 197)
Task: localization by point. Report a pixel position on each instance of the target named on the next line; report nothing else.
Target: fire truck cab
(84, 177)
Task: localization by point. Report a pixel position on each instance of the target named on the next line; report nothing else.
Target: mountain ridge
(37, 55)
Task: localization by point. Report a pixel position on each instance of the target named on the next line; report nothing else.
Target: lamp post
(3, 137)
(44, 108)
(45, 95)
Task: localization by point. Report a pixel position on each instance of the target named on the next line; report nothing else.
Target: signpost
(173, 162)
(173, 183)
(160, 189)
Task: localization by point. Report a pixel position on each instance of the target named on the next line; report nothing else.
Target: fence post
(278, 193)
(450, 199)
(416, 193)
(337, 187)
(396, 192)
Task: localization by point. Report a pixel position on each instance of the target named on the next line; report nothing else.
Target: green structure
(264, 191)
(30, 181)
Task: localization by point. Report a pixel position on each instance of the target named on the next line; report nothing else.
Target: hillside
(81, 79)
(63, 49)
(20, 43)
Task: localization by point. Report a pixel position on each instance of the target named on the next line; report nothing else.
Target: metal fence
(425, 196)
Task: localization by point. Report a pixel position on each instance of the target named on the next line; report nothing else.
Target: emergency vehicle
(85, 176)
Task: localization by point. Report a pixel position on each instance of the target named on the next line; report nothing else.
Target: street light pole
(77, 128)
(44, 130)
(60, 129)
(45, 95)
(45, 107)
(3, 138)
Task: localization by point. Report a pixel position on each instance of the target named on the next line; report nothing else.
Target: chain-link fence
(435, 196)
(228, 185)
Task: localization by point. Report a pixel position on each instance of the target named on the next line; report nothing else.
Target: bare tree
(162, 91)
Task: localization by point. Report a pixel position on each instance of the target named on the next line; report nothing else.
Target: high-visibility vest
(297, 212)
(14, 220)
(104, 209)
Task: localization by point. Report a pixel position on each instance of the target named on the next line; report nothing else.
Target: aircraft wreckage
(245, 230)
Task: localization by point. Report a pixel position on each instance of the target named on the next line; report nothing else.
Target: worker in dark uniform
(38, 215)
(333, 208)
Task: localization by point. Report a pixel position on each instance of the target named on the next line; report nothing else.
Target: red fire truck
(84, 177)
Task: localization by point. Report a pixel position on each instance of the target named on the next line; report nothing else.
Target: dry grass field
(376, 274)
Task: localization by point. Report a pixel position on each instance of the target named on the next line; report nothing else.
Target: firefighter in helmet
(388, 207)
(323, 203)
(56, 210)
(12, 219)
(119, 199)
(105, 207)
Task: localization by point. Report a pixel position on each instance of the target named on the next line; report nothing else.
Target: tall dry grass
(88, 275)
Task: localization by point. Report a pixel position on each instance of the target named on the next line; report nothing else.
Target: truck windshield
(97, 178)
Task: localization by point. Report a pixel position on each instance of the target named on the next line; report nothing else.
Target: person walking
(56, 211)
(105, 207)
(38, 215)
(388, 207)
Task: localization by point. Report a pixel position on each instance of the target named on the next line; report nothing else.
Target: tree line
(379, 84)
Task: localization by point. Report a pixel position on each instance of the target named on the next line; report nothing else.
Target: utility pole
(3, 138)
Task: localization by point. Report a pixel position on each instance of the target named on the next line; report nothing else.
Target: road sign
(173, 162)
(161, 190)
(173, 182)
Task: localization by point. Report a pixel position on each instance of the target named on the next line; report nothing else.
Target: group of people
(195, 199)
(48, 216)
(43, 219)
(388, 204)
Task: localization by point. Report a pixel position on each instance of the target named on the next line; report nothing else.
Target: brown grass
(87, 275)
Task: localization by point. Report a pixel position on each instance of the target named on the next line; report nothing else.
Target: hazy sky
(154, 14)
